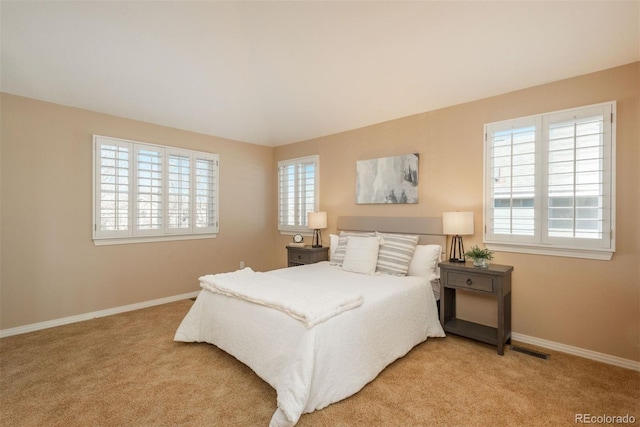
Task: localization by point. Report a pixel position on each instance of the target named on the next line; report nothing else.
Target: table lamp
(317, 221)
(457, 224)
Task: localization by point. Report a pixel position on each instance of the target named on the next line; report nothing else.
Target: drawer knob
(469, 282)
(299, 256)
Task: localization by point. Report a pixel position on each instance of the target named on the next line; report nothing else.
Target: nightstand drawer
(300, 257)
(470, 281)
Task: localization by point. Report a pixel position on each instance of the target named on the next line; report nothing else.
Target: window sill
(290, 231)
(293, 233)
(598, 254)
(149, 239)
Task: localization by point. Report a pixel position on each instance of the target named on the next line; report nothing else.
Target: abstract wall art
(387, 180)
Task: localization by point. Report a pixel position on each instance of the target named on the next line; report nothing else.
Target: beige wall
(589, 304)
(51, 269)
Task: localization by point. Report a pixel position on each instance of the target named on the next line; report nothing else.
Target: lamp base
(456, 253)
(317, 239)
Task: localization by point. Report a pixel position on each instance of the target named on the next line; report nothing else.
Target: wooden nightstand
(301, 255)
(494, 280)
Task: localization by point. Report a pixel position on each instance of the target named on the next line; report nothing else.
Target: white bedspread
(307, 303)
(312, 368)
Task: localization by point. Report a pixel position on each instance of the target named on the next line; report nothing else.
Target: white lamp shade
(317, 220)
(457, 223)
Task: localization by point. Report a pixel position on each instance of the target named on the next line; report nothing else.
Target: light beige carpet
(125, 370)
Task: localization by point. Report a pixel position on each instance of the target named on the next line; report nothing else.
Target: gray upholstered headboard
(428, 228)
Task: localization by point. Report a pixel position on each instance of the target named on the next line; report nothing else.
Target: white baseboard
(577, 351)
(88, 316)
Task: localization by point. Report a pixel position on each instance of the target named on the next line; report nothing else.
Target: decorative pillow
(425, 262)
(396, 253)
(341, 247)
(333, 244)
(361, 254)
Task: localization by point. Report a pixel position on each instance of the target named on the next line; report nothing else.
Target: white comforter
(312, 368)
(307, 303)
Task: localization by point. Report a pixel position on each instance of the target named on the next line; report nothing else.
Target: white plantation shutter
(512, 181)
(145, 191)
(149, 167)
(179, 171)
(549, 183)
(297, 192)
(206, 192)
(112, 188)
(579, 188)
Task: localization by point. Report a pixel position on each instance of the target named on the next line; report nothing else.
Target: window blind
(550, 182)
(149, 187)
(113, 185)
(297, 192)
(179, 192)
(144, 190)
(513, 181)
(206, 192)
(576, 178)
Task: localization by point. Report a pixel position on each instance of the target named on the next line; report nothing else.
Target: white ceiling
(273, 73)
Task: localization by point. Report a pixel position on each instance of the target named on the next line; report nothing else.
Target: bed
(310, 361)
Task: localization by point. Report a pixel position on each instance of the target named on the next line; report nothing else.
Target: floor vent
(530, 352)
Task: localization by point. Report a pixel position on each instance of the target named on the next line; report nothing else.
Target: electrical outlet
(241, 265)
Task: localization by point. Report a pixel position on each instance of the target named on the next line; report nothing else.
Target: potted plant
(479, 256)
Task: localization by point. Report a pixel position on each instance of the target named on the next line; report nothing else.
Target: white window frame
(162, 232)
(300, 221)
(541, 242)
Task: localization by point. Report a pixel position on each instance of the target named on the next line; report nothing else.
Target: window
(549, 183)
(297, 192)
(148, 192)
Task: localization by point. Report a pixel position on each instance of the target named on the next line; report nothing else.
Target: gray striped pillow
(395, 253)
(338, 256)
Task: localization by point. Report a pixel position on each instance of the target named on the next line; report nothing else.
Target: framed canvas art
(387, 180)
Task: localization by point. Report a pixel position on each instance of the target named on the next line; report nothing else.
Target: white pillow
(361, 254)
(333, 245)
(425, 262)
(396, 253)
(341, 247)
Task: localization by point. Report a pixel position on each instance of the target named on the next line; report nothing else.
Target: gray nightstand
(495, 281)
(301, 255)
